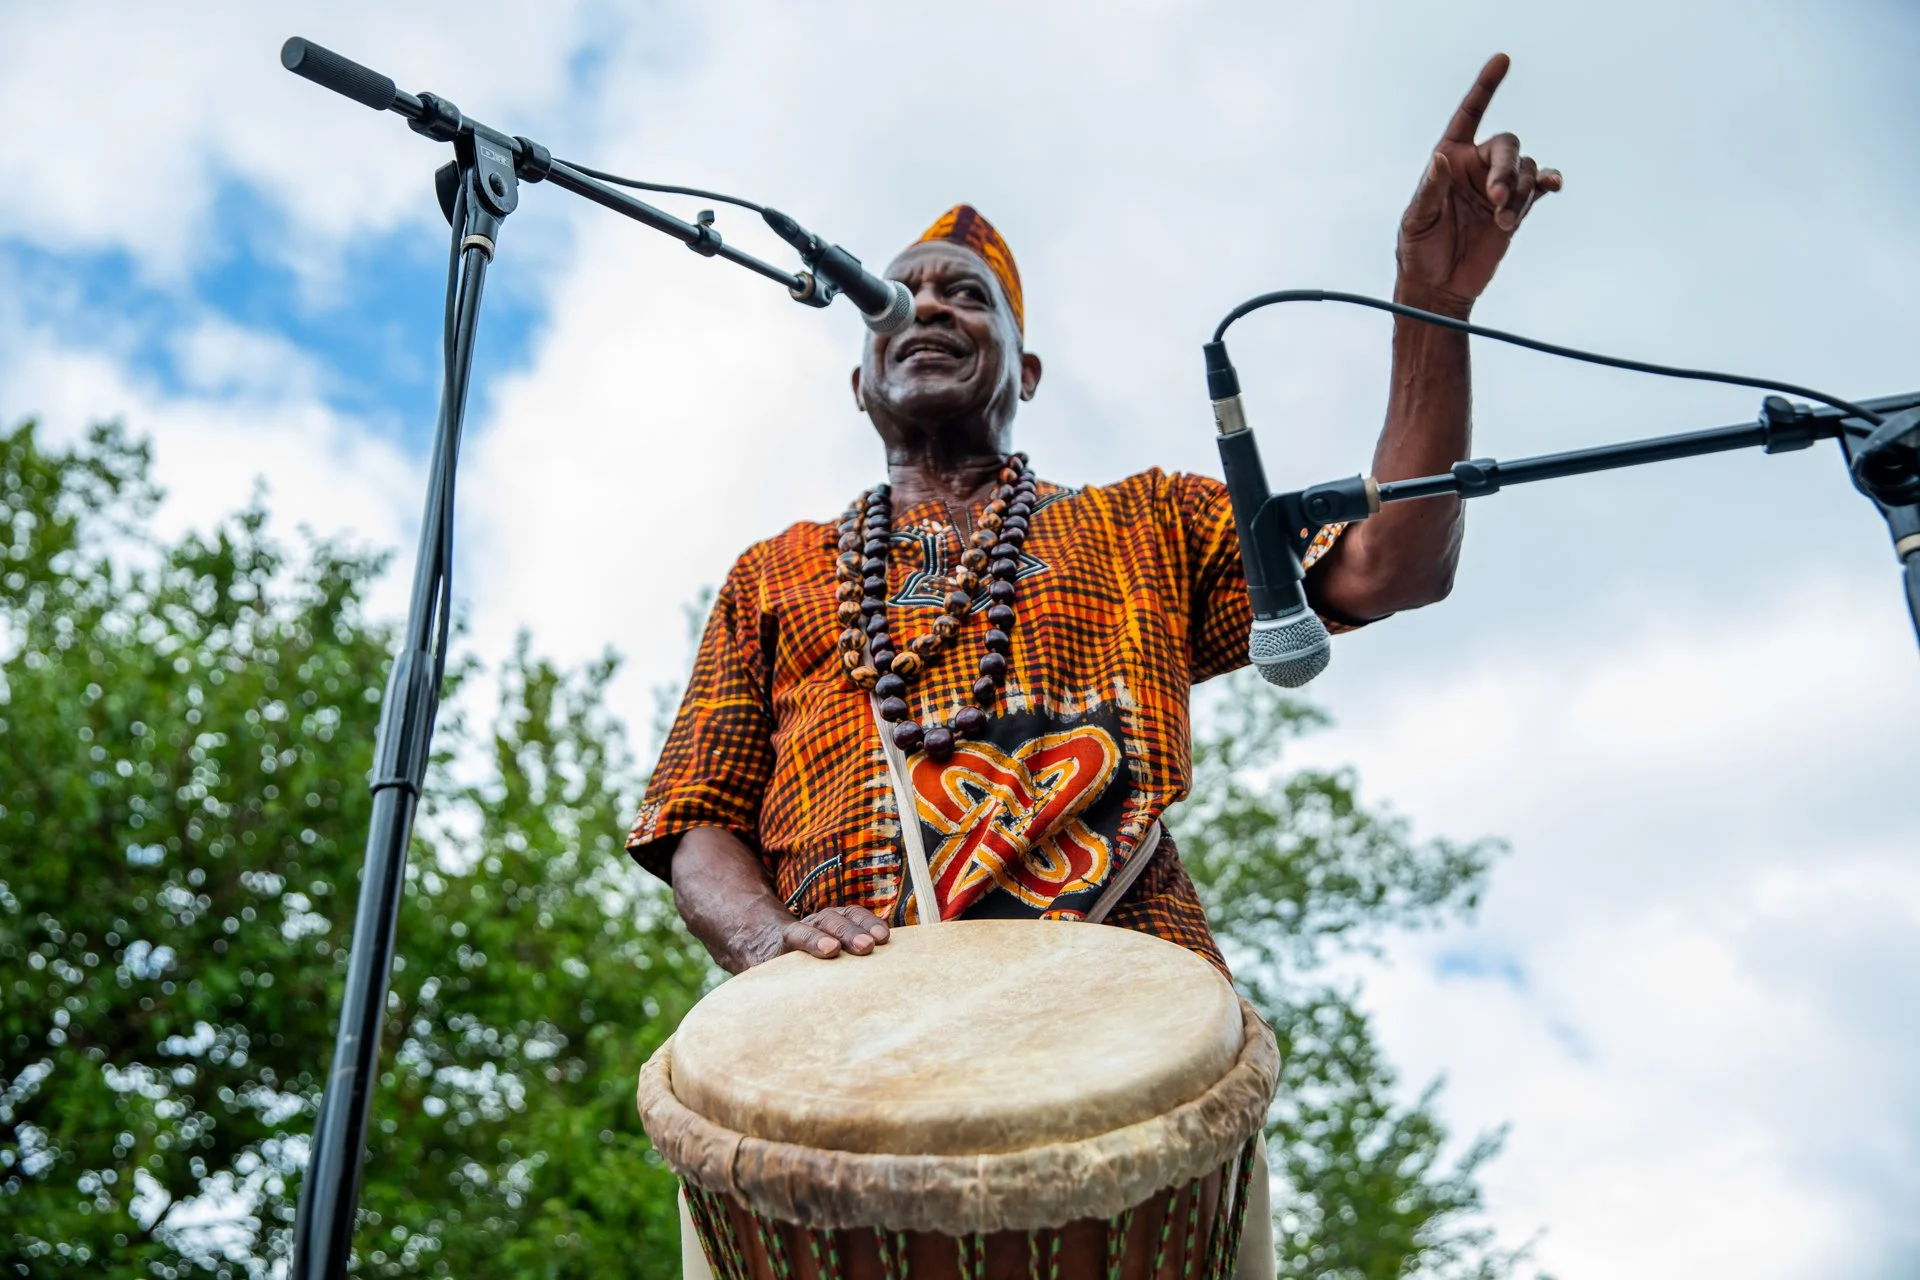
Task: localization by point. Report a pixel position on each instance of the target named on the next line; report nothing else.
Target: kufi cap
(963, 225)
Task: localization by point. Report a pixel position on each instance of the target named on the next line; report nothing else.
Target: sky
(1684, 695)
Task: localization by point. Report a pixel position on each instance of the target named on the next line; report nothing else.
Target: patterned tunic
(1127, 596)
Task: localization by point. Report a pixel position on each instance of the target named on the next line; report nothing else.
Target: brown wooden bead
(993, 665)
(850, 659)
(984, 538)
(944, 626)
(849, 560)
(997, 641)
(924, 645)
(864, 676)
(957, 603)
(849, 610)
(852, 638)
(997, 507)
(1009, 474)
(963, 579)
(969, 721)
(907, 665)
(1000, 617)
(849, 542)
(938, 744)
(991, 520)
(890, 686)
(907, 736)
(847, 591)
(892, 709)
(845, 574)
(985, 691)
(974, 558)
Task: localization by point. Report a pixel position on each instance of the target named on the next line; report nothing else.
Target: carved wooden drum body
(975, 1099)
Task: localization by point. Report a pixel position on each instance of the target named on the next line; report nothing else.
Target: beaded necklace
(868, 651)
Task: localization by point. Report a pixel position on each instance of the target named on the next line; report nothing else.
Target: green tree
(184, 745)
(184, 742)
(1295, 872)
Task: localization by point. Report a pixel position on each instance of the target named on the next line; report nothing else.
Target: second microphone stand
(1884, 462)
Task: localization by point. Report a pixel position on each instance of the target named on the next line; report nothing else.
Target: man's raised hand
(1470, 201)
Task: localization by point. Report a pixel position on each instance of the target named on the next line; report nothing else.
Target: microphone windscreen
(899, 312)
(1291, 650)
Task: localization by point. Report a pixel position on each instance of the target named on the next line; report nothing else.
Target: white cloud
(1681, 692)
(132, 120)
(247, 414)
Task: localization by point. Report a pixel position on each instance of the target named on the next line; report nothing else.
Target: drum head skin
(970, 1037)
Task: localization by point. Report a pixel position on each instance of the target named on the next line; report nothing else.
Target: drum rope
(973, 1256)
(1117, 1228)
(776, 1246)
(1189, 1256)
(1166, 1231)
(1053, 1255)
(713, 1219)
(830, 1269)
(1217, 1230)
(894, 1263)
(1230, 1260)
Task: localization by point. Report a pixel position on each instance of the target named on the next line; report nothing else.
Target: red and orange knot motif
(1011, 819)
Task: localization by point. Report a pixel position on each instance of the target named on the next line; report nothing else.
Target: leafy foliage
(184, 744)
(1295, 871)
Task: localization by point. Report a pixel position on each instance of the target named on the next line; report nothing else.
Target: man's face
(959, 360)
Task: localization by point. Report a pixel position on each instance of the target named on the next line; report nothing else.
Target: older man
(1015, 654)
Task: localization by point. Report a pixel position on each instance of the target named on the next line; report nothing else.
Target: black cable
(456, 273)
(662, 187)
(1534, 344)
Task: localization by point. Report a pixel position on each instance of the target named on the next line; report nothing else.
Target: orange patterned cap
(964, 226)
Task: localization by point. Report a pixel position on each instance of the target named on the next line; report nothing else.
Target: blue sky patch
(1482, 966)
(375, 332)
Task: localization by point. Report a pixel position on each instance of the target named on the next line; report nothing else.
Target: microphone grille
(1290, 651)
(899, 312)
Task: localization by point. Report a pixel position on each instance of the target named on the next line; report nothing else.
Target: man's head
(950, 381)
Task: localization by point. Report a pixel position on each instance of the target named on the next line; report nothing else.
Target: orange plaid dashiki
(1128, 595)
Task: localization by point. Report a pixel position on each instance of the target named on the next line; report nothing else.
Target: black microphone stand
(478, 190)
(1884, 462)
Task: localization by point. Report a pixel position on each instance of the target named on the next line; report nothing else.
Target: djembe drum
(974, 1099)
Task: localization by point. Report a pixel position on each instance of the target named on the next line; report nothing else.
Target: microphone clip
(813, 290)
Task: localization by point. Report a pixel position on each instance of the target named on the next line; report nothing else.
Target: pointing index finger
(1467, 118)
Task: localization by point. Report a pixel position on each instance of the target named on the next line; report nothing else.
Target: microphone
(1288, 643)
(887, 305)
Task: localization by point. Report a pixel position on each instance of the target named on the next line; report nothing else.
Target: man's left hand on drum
(723, 894)
(827, 933)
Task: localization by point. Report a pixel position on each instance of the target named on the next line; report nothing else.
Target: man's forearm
(723, 894)
(1405, 556)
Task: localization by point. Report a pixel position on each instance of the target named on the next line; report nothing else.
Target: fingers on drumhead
(873, 924)
(803, 936)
